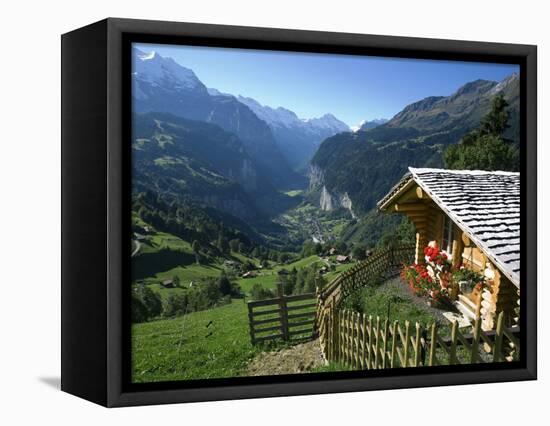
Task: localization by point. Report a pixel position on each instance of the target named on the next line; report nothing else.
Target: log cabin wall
(429, 221)
(506, 298)
(486, 205)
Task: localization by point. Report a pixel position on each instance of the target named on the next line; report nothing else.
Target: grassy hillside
(184, 348)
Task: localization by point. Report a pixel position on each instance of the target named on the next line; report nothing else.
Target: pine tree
(486, 148)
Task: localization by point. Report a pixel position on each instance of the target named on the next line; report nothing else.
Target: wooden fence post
(352, 339)
(433, 345)
(369, 345)
(406, 344)
(341, 323)
(475, 341)
(364, 365)
(452, 350)
(358, 342)
(284, 313)
(393, 344)
(497, 348)
(417, 346)
(251, 327)
(349, 338)
(385, 346)
(336, 335)
(377, 347)
(423, 345)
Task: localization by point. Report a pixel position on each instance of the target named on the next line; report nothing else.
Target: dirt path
(300, 358)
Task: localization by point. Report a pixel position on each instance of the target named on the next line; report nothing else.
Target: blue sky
(353, 88)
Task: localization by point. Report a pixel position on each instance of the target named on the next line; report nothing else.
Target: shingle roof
(486, 205)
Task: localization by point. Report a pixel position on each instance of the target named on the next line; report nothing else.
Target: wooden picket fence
(384, 263)
(288, 318)
(362, 342)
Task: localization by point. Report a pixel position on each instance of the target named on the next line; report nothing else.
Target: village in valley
(288, 246)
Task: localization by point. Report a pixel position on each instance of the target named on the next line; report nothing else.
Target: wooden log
(410, 207)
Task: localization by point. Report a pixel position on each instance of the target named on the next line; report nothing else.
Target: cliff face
(327, 201)
(316, 177)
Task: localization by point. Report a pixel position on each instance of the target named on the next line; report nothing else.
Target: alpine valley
(236, 203)
(266, 177)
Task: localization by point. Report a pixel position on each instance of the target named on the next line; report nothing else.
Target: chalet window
(447, 241)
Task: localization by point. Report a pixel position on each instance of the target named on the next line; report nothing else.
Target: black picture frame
(96, 223)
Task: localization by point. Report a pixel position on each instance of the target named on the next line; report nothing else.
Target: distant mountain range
(277, 139)
(230, 156)
(366, 124)
(162, 85)
(297, 138)
(354, 170)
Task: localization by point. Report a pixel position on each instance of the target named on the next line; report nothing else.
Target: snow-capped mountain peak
(157, 70)
(272, 116)
(282, 117)
(146, 56)
(369, 124)
(329, 121)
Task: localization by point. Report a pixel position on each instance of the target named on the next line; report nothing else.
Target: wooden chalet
(475, 217)
(342, 258)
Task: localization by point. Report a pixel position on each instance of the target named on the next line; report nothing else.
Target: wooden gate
(288, 318)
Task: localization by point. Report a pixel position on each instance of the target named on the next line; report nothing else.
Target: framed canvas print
(252, 212)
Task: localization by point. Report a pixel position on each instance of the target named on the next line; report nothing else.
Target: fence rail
(385, 262)
(292, 319)
(362, 342)
(359, 341)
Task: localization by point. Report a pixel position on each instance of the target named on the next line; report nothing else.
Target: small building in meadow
(168, 283)
(342, 259)
(474, 216)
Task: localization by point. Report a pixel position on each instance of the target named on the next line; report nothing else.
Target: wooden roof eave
(406, 183)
